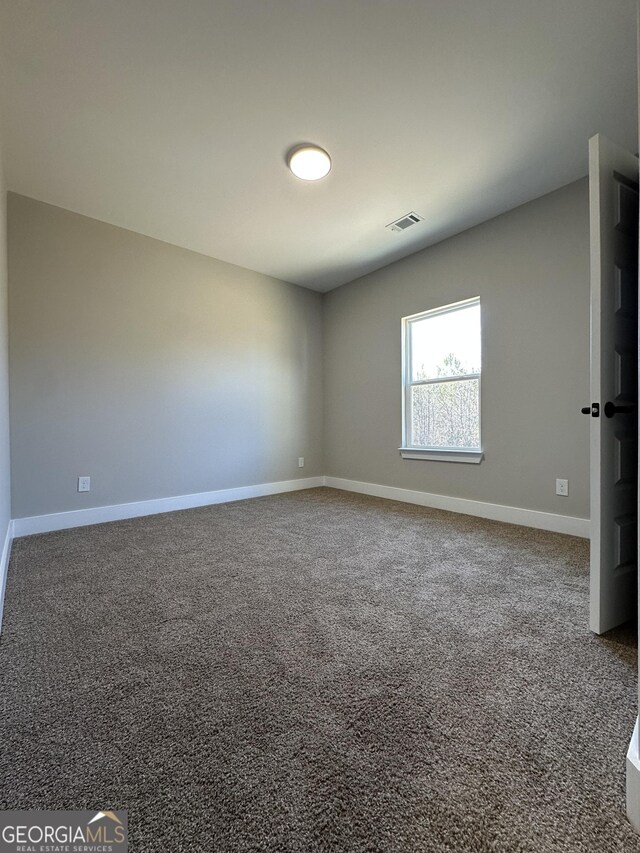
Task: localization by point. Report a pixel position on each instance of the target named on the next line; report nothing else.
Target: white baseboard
(633, 780)
(4, 566)
(118, 512)
(497, 512)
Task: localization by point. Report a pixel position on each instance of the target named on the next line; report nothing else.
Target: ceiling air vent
(405, 222)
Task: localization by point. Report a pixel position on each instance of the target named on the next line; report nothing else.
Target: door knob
(593, 410)
(610, 409)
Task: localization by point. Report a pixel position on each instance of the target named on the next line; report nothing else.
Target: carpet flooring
(317, 671)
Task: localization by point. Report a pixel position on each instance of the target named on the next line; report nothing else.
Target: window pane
(446, 414)
(446, 344)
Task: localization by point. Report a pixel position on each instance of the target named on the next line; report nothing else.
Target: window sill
(473, 456)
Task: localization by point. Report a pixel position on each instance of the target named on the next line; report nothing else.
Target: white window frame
(436, 454)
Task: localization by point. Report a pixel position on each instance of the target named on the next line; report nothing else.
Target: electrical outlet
(300, 461)
(84, 484)
(562, 488)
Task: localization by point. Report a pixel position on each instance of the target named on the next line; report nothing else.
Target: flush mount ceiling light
(309, 162)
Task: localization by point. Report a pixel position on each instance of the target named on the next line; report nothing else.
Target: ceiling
(173, 117)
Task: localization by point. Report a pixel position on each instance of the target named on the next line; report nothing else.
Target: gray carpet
(317, 671)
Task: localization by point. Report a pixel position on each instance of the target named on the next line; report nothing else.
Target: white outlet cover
(84, 484)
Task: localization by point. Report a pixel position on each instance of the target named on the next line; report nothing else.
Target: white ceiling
(173, 117)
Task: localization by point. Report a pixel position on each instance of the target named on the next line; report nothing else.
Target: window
(441, 383)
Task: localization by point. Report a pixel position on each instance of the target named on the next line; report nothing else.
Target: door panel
(625, 456)
(613, 194)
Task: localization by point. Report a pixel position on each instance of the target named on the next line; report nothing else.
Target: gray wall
(5, 488)
(531, 269)
(161, 372)
(155, 370)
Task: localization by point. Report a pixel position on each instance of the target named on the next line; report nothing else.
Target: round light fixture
(309, 162)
